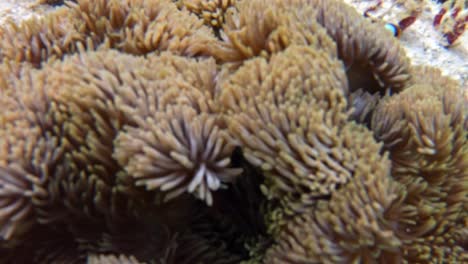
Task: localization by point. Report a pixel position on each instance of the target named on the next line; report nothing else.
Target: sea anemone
(423, 130)
(253, 131)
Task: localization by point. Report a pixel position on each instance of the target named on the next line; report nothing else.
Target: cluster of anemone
(217, 131)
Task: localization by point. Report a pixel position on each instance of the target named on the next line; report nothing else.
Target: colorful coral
(249, 131)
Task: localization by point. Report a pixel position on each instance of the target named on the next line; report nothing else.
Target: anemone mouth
(359, 78)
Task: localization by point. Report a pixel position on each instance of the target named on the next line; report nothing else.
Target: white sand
(18, 10)
(424, 45)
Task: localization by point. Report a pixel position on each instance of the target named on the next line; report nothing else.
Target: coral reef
(217, 131)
